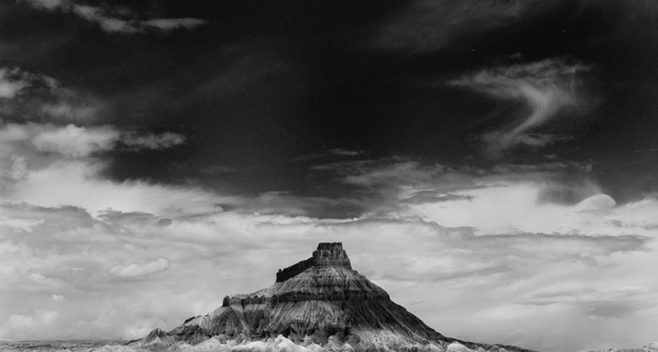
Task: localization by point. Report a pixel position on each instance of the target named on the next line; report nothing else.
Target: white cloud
(20, 324)
(475, 280)
(140, 269)
(548, 87)
(77, 183)
(75, 141)
(57, 298)
(116, 19)
(72, 141)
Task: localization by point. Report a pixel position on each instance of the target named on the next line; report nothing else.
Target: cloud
(78, 141)
(12, 167)
(14, 81)
(137, 269)
(9, 87)
(428, 25)
(376, 173)
(170, 24)
(528, 278)
(346, 152)
(606, 303)
(285, 203)
(75, 141)
(44, 99)
(79, 183)
(329, 154)
(152, 141)
(24, 322)
(509, 198)
(547, 88)
(64, 104)
(116, 19)
(57, 298)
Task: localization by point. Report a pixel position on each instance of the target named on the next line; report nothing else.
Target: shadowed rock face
(327, 254)
(318, 297)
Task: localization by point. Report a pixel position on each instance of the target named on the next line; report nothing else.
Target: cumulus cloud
(78, 183)
(74, 141)
(528, 277)
(547, 88)
(116, 19)
(140, 269)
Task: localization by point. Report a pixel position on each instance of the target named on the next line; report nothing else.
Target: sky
(491, 164)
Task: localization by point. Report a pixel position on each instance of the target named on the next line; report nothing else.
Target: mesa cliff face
(316, 299)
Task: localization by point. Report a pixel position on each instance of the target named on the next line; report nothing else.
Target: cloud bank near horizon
(537, 260)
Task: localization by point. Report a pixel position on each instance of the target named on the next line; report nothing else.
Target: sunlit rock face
(320, 300)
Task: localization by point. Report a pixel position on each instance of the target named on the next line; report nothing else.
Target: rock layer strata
(317, 298)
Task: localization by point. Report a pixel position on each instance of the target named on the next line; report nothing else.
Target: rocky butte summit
(320, 302)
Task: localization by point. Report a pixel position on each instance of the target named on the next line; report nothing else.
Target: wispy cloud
(548, 88)
(140, 269)
(151, 140)
(50, 163)
(43, 98)
(78, 141)
(429, 25)
(10, 86)
(13, 81)
(170, 24)
(114, 19)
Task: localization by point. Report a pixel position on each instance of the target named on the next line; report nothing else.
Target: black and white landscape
(491, 166)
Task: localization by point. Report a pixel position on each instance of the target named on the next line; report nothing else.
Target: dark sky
(263, 84)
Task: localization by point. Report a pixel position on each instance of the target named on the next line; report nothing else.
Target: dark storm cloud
(251, 90)
(259, 84)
